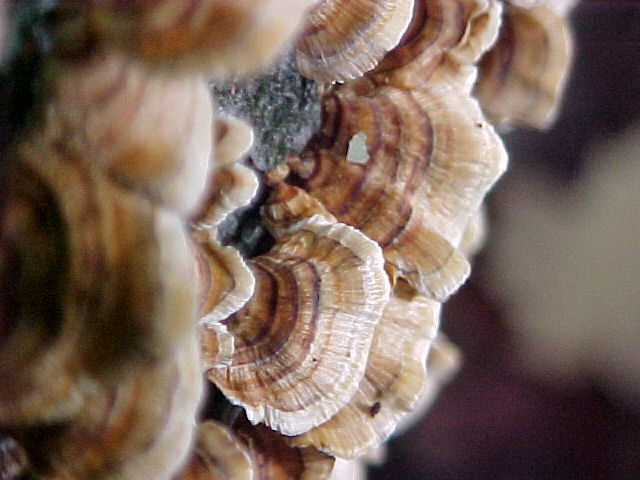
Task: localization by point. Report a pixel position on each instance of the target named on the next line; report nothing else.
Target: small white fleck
(357, 150)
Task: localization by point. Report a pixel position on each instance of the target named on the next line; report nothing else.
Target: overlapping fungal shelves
(143, 255)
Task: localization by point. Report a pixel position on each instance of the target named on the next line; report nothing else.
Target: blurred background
(549, 323)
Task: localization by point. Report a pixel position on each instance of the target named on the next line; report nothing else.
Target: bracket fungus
(393, 381)
(223, 37)
(301, 341)
(139, 429)
(523, 75)
(342, 39)
(251, 453)
(121, 284)
(225, 285)
(63, 220)
(232, 186)
(288, 205)
(438, 29)
(150, 132)
(439, 152)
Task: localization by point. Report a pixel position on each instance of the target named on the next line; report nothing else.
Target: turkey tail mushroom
(218, 455)
(461, 29)
(522, 77)
(139, 429)
(475, 233)
(301, 342)
(443, 362)
(288, 205)
(430, 159)
(231, 186)
(100, 281)
(225, 284)
(251, 453)
(150, 133)
(393, 381)
(342, 39)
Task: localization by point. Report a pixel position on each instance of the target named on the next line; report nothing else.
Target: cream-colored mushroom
(231, 186)
(288, 205)
(342, 39)
(251, 453)
(443, 363)
(225, 284)
(431, 159)
(302, 340)
(233, 140)
(440, 31)
(522, 77)
(102, 281)
(393, 381)
(148, 131)
(218, 455)
(474, 234)
(139, 429)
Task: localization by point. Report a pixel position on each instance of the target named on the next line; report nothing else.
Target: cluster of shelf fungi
(121, 299)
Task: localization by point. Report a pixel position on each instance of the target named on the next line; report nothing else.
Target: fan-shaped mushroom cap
(459, 65)
(466, 27)
(523, 76)
(37, 341)
(431, 157)
(251, 453)
(99, 279)
(224, 280)
(231, 185)
(150, 132)
(226, 37)
(303, 338)
(140, 429)
(274, 459)
(348, 470)
(393, 381)
(343, 39)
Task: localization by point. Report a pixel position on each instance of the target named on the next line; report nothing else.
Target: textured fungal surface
(301, 342)
(342, 39)
(271, 196)
(393, 381)
(523, 75)
(226, 37)
(138, 429)
(251, 453)
(431, 159)
(437, 30)
(150, 132)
